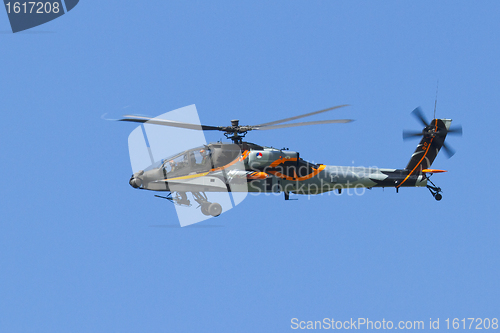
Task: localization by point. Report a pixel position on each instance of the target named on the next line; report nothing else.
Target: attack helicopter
(241, 166)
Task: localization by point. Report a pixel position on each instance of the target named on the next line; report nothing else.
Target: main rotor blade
(301, 116)
(417, 113)
(307, 123)
(139, 119)
(411, 134)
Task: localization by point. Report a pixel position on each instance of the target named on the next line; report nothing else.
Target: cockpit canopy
(200, 159)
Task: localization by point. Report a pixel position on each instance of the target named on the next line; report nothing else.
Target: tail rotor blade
(448, 150)
(456, 130)
(411, 134)
(417, 113)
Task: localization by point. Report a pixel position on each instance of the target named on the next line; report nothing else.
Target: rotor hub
(429, 131)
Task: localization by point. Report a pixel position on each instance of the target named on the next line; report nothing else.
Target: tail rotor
(433, 130)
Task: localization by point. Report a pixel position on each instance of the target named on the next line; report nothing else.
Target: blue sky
(80, 250)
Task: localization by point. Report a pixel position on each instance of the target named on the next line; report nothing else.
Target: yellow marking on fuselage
(187, 177)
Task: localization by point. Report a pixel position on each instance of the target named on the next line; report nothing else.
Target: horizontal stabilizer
(433, 171)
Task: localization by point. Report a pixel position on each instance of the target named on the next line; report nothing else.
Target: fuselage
(247, 167)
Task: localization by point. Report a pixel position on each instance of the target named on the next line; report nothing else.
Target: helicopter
(241, 166)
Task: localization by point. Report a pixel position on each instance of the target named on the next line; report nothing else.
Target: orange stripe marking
(282, 160)
(309, 176)
(418, 164)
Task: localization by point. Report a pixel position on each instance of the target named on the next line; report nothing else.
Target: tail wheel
(204, 209)
(435, 191)
(214, 209)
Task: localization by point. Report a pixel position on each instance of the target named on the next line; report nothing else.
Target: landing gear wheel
(204, 209)
(215, 209)
(435, 191)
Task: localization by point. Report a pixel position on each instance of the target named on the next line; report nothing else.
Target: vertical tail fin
(428, 148)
